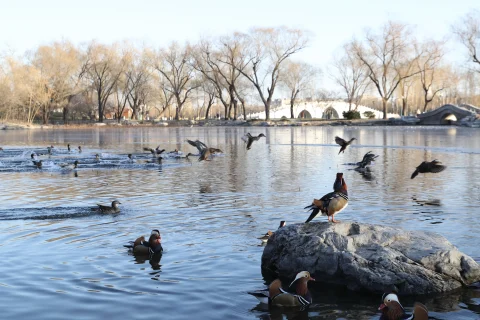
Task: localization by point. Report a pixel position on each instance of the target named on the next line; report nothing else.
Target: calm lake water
(61, 260)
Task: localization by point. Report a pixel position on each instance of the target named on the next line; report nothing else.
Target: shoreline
(213, 123)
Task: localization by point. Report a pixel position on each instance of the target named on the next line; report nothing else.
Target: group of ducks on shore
(329, 205)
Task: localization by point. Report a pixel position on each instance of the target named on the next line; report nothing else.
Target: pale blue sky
(25, 24)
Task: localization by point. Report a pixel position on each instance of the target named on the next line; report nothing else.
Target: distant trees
(388, 57)
(236, 73)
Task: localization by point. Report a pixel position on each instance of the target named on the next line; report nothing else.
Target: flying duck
(150, 247)
(392, 309)
(277, 296)
(434, 167)
(69, 166)
(109, 209)
(331, 203)
(344, 144)
(248, 139)
(269, 233)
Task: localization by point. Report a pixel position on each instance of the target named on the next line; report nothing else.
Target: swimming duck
(277, 296)
(38, 164)
(344, 144)
(97, 157)
(50, 149)
(367, 160)
(130, 157)
(248, 139)
(150, 247)
(155, 160)
(110, 209)
(68, 148)
(434, 167)
(269, 233)
(69, 166)
(79, 149)
(33, 156)
(331, 203)
(154, 151)
(393, 310)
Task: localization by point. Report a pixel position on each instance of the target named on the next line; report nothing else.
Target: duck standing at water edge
(269, 233)
(425, 167)
(393, 310)
(277, 296)
(344, 144)
(331, 203)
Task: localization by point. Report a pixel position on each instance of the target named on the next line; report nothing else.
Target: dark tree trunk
(384, 107)
(404, 106)
(100, 107)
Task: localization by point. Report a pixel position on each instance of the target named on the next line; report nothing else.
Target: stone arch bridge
(316, 110)
(446, 114)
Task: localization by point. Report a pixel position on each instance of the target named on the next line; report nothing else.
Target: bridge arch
(304, 114)
(446, 114)
(448, 119)
(330, 113)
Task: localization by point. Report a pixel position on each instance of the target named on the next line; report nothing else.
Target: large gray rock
(369, 257)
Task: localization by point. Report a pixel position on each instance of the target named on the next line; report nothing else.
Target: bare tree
(269, 48)
(104, 67)
(175, 65)
(468, 32)
(297, 77)
(384, 54)
(352, 75)
(429, 57)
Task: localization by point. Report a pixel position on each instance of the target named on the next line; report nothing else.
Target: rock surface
(369, 257)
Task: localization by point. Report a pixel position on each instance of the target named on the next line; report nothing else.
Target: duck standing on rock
(344, 144)
(150, 247)
(248, 139)
(393, 310)
(109, 209)
(331, 203)
(277, 296)
(425, 167)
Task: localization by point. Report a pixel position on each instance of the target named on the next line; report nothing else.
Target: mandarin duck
(248, 139)
(393, 310)
(331, 203)
(269, 233)
(109, 209)
(277, 296)
(434, 167)
(150, 247)
(344, 144)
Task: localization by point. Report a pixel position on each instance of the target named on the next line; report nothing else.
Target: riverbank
(209, 123)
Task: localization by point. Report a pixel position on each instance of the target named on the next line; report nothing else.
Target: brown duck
(343, 144)
(331, 203)
(154, 151)
(425, 167)
(392, 309)
(277, 296)
(152, 246)
(110, 209)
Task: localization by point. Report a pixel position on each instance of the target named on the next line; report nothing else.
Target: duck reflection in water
(366, 173)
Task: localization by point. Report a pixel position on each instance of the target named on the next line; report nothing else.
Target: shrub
(352, 114)
(369, 114)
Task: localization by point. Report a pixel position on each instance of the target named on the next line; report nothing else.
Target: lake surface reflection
(62, 260)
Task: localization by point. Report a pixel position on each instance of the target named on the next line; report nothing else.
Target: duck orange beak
(382, 306)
